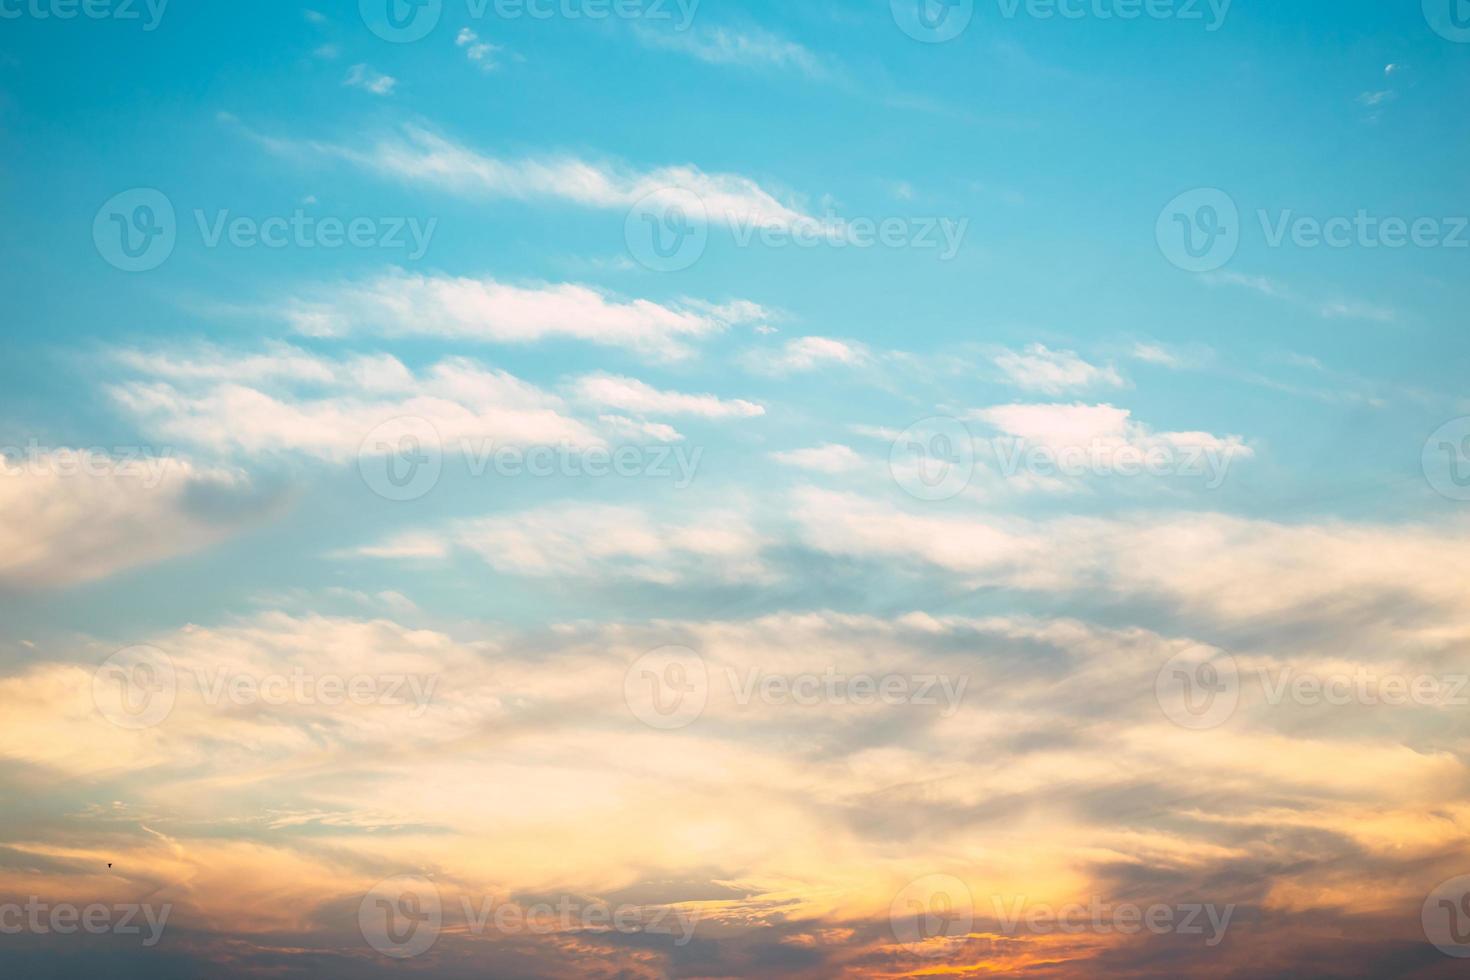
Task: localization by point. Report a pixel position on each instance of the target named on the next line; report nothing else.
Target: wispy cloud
(632, 395)
(403, 304)
(1336, 309)
(481, 53)
(598, 541)
(1054, 372)
(73, 516)
(750, 49)
(420, 156)
(365, 78)
(808, 354)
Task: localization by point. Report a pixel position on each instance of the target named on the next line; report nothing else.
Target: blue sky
(1036, 174)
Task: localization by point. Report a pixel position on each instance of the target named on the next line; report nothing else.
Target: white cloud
(807, 354)
(830, 458)
(70, 516)
(632, 395)
(755, 49)
(1063, 426)
(598, 541)
(1160, 355)
(399, 304)
(365, 78)
(1231, 568)
(1351, 310)
(296, 403)
(420, 156)
(480, 52)
(1054, 372)
(1333, 310)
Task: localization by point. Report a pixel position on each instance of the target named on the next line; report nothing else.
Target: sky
(657, 488)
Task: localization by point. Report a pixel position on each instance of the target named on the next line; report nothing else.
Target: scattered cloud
(365, 78)
(419, 156)
(599, 541)
(752, 49)
(481, 53)
(832, 459)
(631, 395)
(71, 516)
(804, 354)
(404, 304)
(1054, 372)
